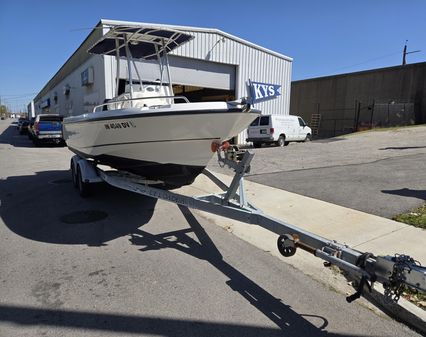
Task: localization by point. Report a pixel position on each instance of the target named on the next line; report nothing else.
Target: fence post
(357, 113)
(372, 113)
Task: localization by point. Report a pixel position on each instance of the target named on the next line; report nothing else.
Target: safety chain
(395, 287)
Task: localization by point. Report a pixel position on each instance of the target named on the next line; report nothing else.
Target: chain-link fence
(362, 116)
(386, 114)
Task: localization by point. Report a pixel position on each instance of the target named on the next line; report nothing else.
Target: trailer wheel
(83, 187)
(73, 174)
(286, 246)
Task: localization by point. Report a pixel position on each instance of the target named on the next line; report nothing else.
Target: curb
(403, 311)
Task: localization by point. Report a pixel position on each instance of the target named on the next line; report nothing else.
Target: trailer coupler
(395, 273)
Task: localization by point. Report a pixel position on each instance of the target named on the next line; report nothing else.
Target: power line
(369, 60)
(360, 63)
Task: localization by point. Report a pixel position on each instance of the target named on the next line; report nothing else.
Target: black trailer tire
(286, 245)
(73, 175)
(83, 187)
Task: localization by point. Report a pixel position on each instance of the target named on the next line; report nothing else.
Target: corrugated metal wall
(354, 101)
(252, 63)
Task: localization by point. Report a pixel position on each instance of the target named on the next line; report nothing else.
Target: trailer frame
(394, 272)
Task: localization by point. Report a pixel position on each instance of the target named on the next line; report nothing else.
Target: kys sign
(263, 91)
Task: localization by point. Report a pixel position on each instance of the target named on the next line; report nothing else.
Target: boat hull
(169, 144)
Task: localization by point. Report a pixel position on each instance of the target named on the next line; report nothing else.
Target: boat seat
(147, 91)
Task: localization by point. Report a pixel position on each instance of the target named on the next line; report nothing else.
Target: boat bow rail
(395, 272)
(115, 102)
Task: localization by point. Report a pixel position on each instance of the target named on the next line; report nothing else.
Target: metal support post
(240, 171)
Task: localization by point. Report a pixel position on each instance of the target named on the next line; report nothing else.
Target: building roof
(363, 72)
(107, 22)
(81, 55)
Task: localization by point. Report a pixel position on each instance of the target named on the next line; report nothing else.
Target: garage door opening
(199, 94)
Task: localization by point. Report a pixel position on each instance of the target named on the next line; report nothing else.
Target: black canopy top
(144, 42)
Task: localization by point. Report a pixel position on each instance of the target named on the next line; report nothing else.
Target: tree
(4, 110)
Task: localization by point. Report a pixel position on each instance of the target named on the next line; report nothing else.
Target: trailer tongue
(394, 272)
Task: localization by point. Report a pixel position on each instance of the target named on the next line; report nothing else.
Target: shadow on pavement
(403, 147)
(289, 322)
(84, 320)
(33, 206)
(38, 206)
(12, 137)
(408, 192)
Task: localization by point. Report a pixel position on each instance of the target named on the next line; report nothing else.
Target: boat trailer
(395, 272)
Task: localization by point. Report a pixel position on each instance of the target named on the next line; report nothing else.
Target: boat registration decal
(120, 125)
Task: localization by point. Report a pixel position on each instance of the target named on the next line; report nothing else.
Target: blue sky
(324, 37)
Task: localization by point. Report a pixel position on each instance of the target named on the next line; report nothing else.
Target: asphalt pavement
(119, 264)
(379, 172)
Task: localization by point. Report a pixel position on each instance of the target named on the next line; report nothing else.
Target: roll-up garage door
(187, 71)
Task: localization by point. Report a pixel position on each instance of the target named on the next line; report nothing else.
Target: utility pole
(405, 52)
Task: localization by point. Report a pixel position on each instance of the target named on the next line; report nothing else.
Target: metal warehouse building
(213, 66)
(351, 102)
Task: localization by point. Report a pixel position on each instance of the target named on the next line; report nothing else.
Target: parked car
(20, 120)
(278, 129)
(31, 128)
(48, 129)
(23, 127)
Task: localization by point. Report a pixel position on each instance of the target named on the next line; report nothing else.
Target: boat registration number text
(120, 125)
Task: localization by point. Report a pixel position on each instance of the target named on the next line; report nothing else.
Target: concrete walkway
(377, 172)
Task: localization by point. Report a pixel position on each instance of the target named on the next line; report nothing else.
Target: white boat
(147, 130)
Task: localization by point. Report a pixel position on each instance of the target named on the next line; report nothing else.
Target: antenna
(405, 53)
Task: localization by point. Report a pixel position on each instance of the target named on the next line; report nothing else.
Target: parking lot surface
(380, 172)
(119, 264)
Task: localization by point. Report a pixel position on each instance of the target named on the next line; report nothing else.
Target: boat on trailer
(147, 130)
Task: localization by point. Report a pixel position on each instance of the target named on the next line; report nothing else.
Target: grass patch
(416, 297)
(416, 218)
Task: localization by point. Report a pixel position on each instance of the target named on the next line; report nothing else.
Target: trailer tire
(83, 187)
(73, 174)
(286, 245)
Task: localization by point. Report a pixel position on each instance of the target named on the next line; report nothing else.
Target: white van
(278, 129)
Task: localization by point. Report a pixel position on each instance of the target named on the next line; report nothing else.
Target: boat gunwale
(146, 114)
